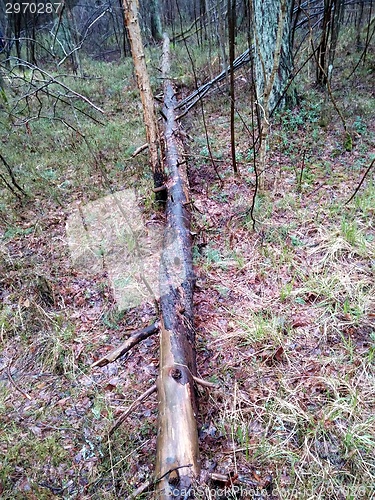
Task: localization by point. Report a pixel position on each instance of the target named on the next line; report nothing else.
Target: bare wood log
(177, 442)
(127, 345)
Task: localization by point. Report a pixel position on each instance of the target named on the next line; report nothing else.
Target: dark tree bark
(332, 18)
(232, 34)
(155, 20)
(273, 64)
(71, 39)
(321, 57)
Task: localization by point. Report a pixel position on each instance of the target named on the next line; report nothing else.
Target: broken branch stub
(177, 455)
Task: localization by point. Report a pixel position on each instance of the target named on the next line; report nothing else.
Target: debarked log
(177, 456)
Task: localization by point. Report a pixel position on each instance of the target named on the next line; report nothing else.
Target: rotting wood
(127, 345)
(177, 441)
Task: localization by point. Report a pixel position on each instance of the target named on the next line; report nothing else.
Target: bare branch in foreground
(134, 405)
(361, 182)
(127, 345)
(52, 79)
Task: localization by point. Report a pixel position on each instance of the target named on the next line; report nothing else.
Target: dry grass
(295, 331)
(294, 334)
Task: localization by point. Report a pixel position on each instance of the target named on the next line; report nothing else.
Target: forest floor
(284, 314)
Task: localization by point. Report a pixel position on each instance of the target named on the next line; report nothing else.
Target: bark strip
(177, 442)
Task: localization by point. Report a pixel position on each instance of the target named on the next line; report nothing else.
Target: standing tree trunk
(144, 86)
(232, 36)
(332, 20)
(156, 28)
(272, 64)
(221, 36)
(71, 39)
(177, 454)
(321, 56)
(358, 24)
(125, 41)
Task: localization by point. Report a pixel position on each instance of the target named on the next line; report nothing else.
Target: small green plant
(359, 125)
(349, 230)
(57, 354)
(212, 255)
(348, 142)
(113, 318)
(13, 231)
(286, 290)
(371, 351)
(308, 113)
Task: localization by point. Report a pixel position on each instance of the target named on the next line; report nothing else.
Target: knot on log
(175, 373)
(174, 478)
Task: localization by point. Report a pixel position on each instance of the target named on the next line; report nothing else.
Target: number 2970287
(32, 7)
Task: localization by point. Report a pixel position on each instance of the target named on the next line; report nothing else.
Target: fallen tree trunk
(191, 100)
(177, 455)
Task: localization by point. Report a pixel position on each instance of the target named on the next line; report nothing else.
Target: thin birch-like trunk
(144, 86)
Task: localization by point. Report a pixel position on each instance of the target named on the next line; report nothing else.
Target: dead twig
(14, 182)
(361, 182)
(141, 489)
(135, 403)
(203, 383)
(52, 80)
(172, 470)
(299, 185)
(127, 345)
(160, 188)
(140, 149)
(14, 383)
(147, 485)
